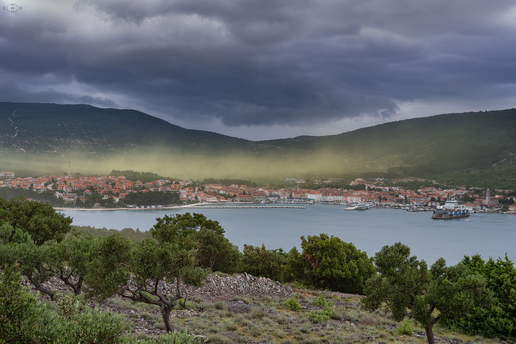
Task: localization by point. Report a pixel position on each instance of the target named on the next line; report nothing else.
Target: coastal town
(74, 191)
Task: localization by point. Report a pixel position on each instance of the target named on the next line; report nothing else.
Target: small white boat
(351, 208)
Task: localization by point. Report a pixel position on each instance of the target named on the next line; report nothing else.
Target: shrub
(337, 314)
(320, 316)
(293, 304)
(242, 298)
(169, 338)
(231, 326)
(221, 305)
(147, 316)
(265, 263)
(320, 301)
(330, 263)
(26, 319)
(406, 327)
(218, 339)
(258, 313)
(281, 320)
(181, 304)
(498, 321)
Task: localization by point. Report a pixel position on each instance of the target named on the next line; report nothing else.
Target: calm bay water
(490, 235)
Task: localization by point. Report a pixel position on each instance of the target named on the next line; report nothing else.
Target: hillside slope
(44, 137)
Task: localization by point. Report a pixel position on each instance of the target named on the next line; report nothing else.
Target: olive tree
(66, 260)
(407, 288)
(188, 231)
(148, 271)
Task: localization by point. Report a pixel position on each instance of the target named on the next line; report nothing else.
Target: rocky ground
(215, 288)
(247, 309)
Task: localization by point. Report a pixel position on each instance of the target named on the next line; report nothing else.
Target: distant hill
(44, 137)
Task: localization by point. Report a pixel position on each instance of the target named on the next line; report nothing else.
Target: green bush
(242, 298)
(321, 316)
(330, 263)
(293, 304)
(265, 263)
(231, 326)
(498, 321)
(26, 319)
(406, 327)
(320, 301)
(181, 304)
(38, 219)
(221, 305)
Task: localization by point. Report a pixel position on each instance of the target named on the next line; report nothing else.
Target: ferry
(450, 210)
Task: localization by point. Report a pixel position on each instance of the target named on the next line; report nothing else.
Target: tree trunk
(76, 287)
(44, 290)
(165, 313)
(40, 288)
(429, 333)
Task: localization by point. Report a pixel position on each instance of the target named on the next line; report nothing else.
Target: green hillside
(468, 147)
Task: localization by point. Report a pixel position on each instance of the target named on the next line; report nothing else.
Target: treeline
(134, 175)
(46, 196)
(134, 235)
(152, 198)
(227, 182)
(37, 243)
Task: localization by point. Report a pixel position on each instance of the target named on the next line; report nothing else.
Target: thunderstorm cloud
(244, 64)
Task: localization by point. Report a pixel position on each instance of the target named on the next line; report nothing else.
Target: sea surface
(490, 235)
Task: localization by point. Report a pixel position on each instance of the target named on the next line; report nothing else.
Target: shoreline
(113, 209)
(215, 205)
(161, 208)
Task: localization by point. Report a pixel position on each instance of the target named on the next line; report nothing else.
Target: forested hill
(437, 144)
(45, 128)
(44, 137)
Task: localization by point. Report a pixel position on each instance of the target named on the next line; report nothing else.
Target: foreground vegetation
(474, 296)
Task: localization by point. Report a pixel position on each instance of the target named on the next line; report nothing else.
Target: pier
(252, 207)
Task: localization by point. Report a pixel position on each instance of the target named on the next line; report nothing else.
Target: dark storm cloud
(263, 62)
(12, 93)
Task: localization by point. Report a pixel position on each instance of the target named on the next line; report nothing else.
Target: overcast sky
(263, 69)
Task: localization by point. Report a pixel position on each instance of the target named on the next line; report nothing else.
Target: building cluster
(72, 188)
